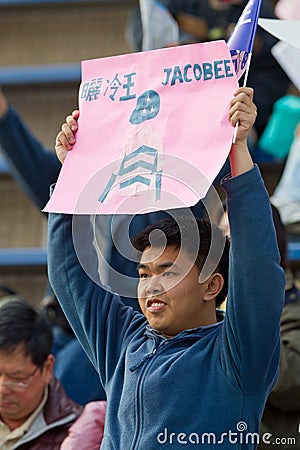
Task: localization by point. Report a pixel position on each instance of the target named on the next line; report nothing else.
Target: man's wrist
(240, 158)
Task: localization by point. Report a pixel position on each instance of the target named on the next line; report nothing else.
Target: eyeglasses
(19, 386)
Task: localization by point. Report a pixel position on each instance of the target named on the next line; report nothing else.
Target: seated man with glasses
(35, 412)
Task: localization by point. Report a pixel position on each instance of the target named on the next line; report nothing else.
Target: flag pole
(244, 85)
(247, 70)
(238, 41)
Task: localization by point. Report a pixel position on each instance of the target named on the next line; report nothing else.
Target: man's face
(15, 367)
(169, 293)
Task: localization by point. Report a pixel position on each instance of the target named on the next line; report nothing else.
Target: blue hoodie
(205, 387)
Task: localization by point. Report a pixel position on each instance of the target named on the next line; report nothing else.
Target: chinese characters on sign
(97, 87)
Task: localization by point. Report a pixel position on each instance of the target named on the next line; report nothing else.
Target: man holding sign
(175, 375)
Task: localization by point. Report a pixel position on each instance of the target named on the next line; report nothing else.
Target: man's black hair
(170, 232)
(20, 323)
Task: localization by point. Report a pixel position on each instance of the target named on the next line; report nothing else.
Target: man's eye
(15, 379)
(143, 275)
(168, 273)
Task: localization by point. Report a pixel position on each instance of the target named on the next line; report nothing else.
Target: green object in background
(279, 133)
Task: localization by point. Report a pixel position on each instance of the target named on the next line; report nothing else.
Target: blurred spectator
(282, 411)
(62, 332)
(279, 133)
(286, 196)
(34, 167)
(35, 412)
(206, 20)
(287, 9)
(87, 432)
(6, 290)
(72, 366)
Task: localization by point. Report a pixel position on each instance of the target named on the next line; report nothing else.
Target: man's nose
(154, 285)
(5, 389)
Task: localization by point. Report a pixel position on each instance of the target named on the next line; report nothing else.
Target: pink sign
(153, 131)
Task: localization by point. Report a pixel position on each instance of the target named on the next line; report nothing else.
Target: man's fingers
(65, 139)
(243, 112)
(242, 107)
(246, 119)
(240, 110)
(61, 139)
(70, 137)
(72, 122)
(249, 92)
(243, 95)
(75, 114)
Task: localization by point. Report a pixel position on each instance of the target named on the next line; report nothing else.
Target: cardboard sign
(153, 131)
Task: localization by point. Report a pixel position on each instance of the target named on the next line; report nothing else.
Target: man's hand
(242, 112)
(66, 137)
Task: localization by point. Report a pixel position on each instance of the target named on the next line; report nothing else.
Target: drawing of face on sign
(148, 106)
(140, 164)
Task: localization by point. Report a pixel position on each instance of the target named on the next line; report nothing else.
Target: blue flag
(241, 40)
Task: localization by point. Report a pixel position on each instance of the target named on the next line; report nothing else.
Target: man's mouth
(155, 305)
(6, 403)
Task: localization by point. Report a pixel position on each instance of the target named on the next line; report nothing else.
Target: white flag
(160, 29)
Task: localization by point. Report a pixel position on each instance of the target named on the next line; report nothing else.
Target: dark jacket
(51, 426)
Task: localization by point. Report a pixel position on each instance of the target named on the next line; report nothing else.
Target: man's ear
(48, 368)
(214, 285)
